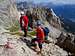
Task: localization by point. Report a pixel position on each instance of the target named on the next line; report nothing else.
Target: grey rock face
(67, 41)
(20, 48)
(8, 13)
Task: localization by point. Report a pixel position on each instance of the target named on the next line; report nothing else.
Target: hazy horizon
(51, 1)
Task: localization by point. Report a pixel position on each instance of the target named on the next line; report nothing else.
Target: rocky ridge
(10, 14)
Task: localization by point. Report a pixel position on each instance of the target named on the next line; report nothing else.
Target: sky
(52, 1)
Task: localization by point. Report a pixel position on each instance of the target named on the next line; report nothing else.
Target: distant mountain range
(68, 13)
(65, 11)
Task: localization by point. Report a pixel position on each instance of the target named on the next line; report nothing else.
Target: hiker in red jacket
(24, 23)
(40, 36)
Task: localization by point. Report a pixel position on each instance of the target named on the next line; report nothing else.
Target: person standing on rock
(40, 36)
(28, 13)
(24, 23)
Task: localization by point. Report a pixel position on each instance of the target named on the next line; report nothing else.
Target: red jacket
(24, 21)
(40, 34)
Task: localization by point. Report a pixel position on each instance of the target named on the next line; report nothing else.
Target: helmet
(22, 13)
(38, 23)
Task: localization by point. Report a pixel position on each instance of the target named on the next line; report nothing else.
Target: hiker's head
(22, 13)
(28, 13)
(38, 24)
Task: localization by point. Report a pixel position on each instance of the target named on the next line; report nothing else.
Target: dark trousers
(33, 43)
(25, 32)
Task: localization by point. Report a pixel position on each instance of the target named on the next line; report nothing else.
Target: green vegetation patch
(33, 33)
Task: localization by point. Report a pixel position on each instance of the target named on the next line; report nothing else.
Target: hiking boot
(25, 36)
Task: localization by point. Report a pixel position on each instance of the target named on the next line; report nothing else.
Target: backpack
(46, 30)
